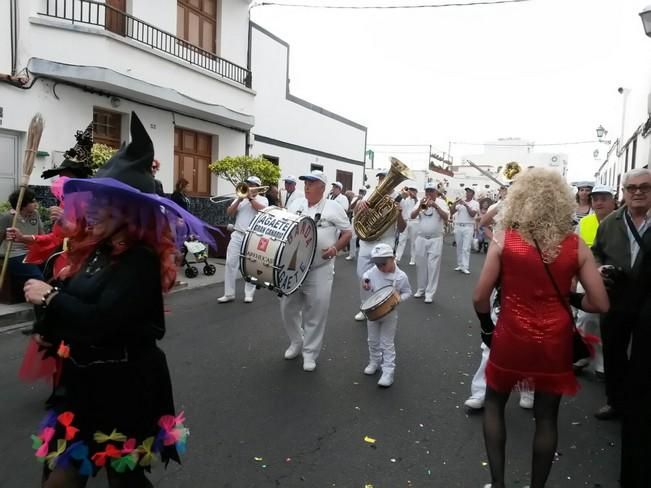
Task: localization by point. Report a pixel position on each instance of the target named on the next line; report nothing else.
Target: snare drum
(278, 250)
(381, 303)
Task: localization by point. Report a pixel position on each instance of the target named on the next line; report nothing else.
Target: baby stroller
(200, 252)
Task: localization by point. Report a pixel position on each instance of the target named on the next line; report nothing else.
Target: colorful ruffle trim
(120, 452)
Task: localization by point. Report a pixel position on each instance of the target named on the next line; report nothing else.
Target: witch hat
(132, 163)
(76, 159)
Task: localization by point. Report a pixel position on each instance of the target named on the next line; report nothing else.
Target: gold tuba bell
(382, 211)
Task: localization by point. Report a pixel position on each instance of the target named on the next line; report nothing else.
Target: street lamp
(645, 15)
(601, 132)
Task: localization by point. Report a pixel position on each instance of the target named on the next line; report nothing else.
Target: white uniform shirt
(246, 213)
(289, 198)
(398, 279)
(342, 200)
(331, 220)
(430, 224)
(407, 205)
(462, 215)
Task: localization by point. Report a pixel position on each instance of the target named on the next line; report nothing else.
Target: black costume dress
(118, 408)
(636, 423)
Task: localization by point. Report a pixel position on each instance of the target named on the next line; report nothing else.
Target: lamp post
(645, 15)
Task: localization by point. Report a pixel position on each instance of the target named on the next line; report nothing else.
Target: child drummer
(382, 332)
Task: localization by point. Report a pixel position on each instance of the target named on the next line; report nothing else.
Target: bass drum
(381, 303)
(278, 250)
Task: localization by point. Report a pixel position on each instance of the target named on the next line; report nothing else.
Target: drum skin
(278, 250)
(381, 303)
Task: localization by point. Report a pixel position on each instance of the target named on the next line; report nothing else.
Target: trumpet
(423, 203)
(242, 190)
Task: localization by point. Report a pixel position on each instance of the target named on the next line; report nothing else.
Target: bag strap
(636, 234)
(558, 292)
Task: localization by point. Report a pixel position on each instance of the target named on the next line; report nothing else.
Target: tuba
(382, 211)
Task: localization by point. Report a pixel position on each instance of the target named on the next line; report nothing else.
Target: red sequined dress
(532, 341)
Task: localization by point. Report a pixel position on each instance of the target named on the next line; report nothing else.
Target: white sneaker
(526, 400)
(465, 271)
(371, 368)
(419, 294)
(248, 299)
(412, 263)
(349, 258)
(458, 268)
(386, 380)
(428, 299)
(293, 351)
(309, 365)
(225, 299)
(359, 316)
(474, 403)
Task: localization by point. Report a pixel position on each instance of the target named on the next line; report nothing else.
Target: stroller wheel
(191, 272)
(209, 269)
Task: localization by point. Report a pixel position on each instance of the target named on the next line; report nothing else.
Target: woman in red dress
(532, 342)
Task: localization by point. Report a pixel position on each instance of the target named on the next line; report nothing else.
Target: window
(314, 167)
(272, 159)
(107, 127)
(634, 153)
(196, 22)
(192, 155)
(345, 178)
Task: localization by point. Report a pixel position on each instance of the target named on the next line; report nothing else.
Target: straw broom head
(33, 140)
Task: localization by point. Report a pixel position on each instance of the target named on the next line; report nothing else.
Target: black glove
(576, 299)
(487, 327)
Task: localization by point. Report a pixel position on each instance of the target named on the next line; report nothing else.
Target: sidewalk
(20, 313)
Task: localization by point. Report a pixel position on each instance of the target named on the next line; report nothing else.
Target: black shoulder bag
(580, 350)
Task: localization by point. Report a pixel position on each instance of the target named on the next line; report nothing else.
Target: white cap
(430, 186)
(314, 176)
(583, 184)
(382, 172)
(339, 184)
(382, 251)
(254, 180)
(602, 189)
(291, 179)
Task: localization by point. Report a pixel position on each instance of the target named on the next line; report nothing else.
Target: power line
(382, 7)
(496, 144)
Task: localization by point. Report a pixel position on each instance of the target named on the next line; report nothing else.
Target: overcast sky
(540, 70)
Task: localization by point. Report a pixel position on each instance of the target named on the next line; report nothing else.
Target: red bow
(66, 419)
(99, 458)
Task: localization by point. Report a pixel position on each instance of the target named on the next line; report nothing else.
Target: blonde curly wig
(541, 206)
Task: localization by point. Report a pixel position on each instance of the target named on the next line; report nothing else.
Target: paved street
(258, 420)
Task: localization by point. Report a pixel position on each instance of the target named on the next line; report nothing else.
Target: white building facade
(187, 67)
(631, 147)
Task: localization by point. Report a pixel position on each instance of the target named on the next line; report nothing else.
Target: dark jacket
(612, 247)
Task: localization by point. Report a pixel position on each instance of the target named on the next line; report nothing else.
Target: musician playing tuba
(378, 219)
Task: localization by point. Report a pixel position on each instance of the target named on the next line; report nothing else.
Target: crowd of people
(562, 270)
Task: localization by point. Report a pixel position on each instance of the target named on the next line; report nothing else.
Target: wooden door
(346, 179)
(192, 155)
(116, 21)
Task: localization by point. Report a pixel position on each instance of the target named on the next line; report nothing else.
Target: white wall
(5, 38)
(234, 28)
(282, 119)
(73, 110)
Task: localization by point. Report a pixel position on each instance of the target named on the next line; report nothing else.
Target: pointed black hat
(132, 163)
(76, 159)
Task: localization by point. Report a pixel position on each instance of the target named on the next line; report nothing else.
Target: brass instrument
(242, 190)
(511, 170)
(423, 203)
(382, 211)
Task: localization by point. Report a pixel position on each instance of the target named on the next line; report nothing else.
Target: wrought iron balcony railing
(123, 24)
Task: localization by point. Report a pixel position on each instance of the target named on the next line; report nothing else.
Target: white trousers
(233, 267)
(381, 341)
(428, 264)
(478, 385)
(305, 312)
(363, 265)
(463, 237)
(409, 234)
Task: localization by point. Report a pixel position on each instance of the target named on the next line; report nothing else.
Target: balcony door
(192, 155)
(196, 23)
(115, 21)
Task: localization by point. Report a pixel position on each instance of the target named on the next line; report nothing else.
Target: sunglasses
(633, 189)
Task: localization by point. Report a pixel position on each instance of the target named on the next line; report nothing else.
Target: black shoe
(607, 412)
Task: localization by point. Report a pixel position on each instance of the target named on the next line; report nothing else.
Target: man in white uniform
(366, 247)
(464, 228)
(407, 205)
(244, 210)
(305, 312)
(429, 241)
(337, 195)
(290, 192)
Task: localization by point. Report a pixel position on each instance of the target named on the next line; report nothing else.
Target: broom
(33, 139)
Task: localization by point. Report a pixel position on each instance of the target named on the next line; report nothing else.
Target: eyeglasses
(633, 189)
